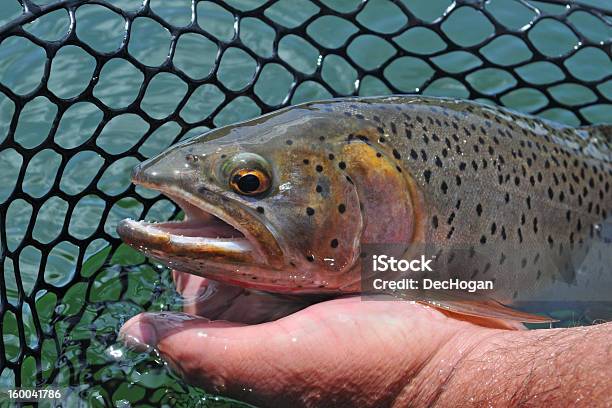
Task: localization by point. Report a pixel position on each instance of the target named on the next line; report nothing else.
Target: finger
(215, 300)
(221, 357)
(188, 285)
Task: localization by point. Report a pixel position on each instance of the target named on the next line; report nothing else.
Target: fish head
(269, 204)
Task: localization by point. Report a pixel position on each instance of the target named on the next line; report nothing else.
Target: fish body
(288, 202)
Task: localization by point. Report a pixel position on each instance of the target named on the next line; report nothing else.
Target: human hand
(350, 352)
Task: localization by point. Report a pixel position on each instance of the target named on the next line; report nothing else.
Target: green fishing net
(90, 88)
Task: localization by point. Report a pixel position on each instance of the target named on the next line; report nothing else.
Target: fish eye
(250, 182)
(247, 173)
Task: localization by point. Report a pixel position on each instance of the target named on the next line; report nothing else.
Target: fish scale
(494, 194)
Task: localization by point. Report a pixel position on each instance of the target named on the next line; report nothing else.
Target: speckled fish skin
(398, 170)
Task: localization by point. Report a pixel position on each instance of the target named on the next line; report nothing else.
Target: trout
(288, 202)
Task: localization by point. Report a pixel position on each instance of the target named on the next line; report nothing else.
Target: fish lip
(136, 233)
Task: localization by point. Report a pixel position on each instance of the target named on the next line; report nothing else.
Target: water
(69, 285)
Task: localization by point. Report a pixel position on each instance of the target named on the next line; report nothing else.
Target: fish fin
(487, 309)
(488, 322)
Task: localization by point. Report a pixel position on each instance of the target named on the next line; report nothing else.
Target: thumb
(243, 362)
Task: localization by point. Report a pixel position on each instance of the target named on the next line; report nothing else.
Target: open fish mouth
(199, 232)
(204, 235)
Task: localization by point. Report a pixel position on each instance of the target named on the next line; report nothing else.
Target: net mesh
(90, 88)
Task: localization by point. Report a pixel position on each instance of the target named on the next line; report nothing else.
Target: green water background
(108, 287)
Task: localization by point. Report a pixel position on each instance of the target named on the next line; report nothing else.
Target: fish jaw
(157, 239)
(202, 235)
(232, 261)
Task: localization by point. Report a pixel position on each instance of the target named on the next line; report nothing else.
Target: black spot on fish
(289, 142)
(342, 165)
(342, 208)
(451, 218)
(434, 221)
(444, 187)
(334, 243)
(450, 234)
(319, 188)
(260, 210)
(319, 168)
(306, 161)
(396, 154)
(479, 209)
(310, 211)
(331, 156)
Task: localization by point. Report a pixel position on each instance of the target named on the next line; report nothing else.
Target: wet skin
(348, 352)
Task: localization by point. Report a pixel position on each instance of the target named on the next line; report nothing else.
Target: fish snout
(168, 170)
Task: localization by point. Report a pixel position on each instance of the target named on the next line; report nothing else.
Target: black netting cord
(32, 12)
